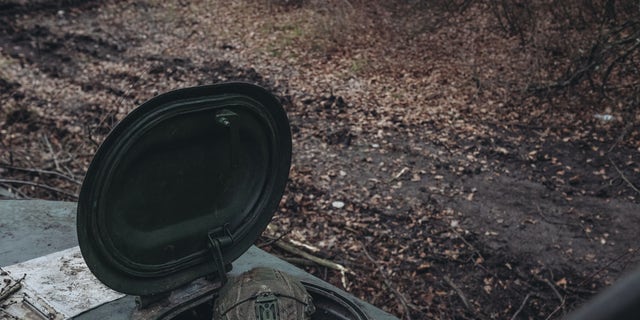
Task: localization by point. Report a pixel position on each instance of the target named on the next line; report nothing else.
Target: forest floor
(418, 162)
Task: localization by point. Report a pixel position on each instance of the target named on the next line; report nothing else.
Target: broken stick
(320, 261)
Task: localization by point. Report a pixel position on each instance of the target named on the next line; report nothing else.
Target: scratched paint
(56, 286)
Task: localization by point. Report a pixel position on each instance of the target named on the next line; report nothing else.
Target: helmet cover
(263, 294)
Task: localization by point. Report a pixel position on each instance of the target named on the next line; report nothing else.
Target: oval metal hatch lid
(185, 166)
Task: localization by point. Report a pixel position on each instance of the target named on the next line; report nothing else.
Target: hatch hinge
(218, 239)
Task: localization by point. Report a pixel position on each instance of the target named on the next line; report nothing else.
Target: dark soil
(451, 211)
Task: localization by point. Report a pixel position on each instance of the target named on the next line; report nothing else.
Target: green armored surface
(263, 294)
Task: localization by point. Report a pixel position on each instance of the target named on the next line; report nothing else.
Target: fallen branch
(272, 240)
(53, 154)
(524, 302)
(468, 244)
(386, 281)
(459, 293)
(558, 295)
(620, 138)
(624, 177)
(399, 174)
(48, 172)
(320, 261)
(274, 237)
(555, 291)
(573, 80)
(39, 185)
(546, 219)
(555, 311)
(300, 262)
(616, 259)
(17, 194)
(304, 245)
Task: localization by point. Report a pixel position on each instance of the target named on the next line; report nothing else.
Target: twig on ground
(39, 185)
(558, 295)
(10, 289)
(53, 154)
(555, 311)
(555, 291)
(524, 302)
(625, 130)
(17, 193)
(304, 245)
(323, 262)
(386, 281)
(472, 247)
(624, 177)
(477, 252)
(272, 240)
(459, 293)
(5, 192)
(54, 173)
(547, 219)
(618, 258)
(300, 261)
(625, 264)
(399, 174)
(591, 276)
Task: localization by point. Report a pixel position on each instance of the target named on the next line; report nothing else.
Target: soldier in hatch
(263, 294)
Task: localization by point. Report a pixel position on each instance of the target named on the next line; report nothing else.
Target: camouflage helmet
(263, 294)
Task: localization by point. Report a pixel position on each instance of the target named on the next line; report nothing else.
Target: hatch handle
(218, 239)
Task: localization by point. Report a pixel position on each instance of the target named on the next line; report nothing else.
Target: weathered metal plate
(55, 286)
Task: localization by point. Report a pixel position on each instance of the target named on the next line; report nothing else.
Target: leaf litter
(418, 166)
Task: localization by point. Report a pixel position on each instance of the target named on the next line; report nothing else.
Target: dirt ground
(416, 165)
